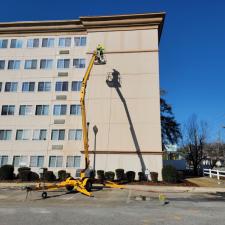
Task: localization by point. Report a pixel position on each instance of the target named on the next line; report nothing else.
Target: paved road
(111, 207)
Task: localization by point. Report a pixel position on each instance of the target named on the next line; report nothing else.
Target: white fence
(213, 173)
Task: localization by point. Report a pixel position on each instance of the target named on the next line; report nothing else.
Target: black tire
(69, 187)
(88, 185)
(44, 195)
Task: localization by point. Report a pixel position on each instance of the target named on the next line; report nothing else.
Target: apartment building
(41, 69)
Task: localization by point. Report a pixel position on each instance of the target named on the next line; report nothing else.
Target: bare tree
(194, 141)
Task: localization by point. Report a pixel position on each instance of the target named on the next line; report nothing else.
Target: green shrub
(110, 175)
(27, 175)
(141, 176)
(92, 174)
(130, 176)
(154, 176)
(68, 175)
(100, 174)
(119, 174)
(49, 176)
(23, 169)
(62, 175)
(6, 172)
(34, 176)
(169, 174)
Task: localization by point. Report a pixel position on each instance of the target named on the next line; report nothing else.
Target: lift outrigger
(84, 183)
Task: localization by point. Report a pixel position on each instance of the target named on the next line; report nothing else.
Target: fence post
(218, 174)
(210, 173)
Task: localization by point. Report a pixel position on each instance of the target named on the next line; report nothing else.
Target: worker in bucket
(100, 52)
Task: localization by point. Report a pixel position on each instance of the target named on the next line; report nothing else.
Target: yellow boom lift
(84, 183)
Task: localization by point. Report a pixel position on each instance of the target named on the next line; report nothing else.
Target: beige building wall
(128, 120)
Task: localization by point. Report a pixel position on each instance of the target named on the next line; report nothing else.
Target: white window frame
(25, 110)
(31, 64)
(31, 43)
(75, 134)
(46, 64)
(58, 161)
(46, 86)
(13, 86)
(63, 63)
(15, 64)
(2, 43)
(43, 108)
(79, 63)
(50, 42)
(3, 160)
(73, 161)
(6, 136)
(22, 160)
(10, 110)
(26, 133)
(64, 42)
(18, 43)
(78, 41)
(55, 134)
(37, 161)
(38, 134)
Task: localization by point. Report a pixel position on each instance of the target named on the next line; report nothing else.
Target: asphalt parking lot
(110, 207)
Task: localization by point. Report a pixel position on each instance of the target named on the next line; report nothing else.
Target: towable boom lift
(84, 183)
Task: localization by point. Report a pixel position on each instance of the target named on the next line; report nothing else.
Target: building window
(80, 41)
(41, 110)
(48, 42)
(33, 43)
(3, 160)
(19, 161)
(28, 86)
(44, 86)
(59, 110)
(61, 86)
(25, 110)
(76, 85)
(5, 135)
(11, 86)
(64, 42)
(4, 43)
(58, 134)
(63, 63)
(79, 63)
(73, 161)
(75, 109)
(0, 86)
(30, 64)
(2, 64)
(14, 64)
(36, 161)
(40, 134)
(75, 134)
(16, 43)
(8, 110)
(55, 161)
(46, 64)
(23, 134)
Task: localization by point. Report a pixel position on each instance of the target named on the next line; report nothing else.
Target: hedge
(6, 172)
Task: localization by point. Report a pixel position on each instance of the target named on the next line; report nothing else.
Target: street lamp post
(95, 130)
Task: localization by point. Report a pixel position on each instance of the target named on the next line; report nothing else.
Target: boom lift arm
(83, 110)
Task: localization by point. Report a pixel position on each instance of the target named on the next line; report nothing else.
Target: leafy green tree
(170, 129)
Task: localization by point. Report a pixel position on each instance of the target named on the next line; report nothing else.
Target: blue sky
(192, 48)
